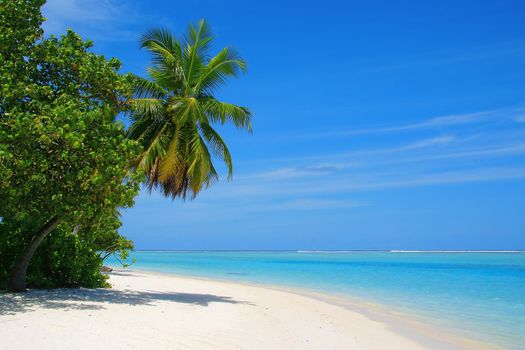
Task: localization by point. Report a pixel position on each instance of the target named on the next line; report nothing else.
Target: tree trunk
(17, 281)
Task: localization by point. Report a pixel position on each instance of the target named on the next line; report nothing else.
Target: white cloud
(474, 156)
(425, 143)
(310, 204)
(520, 119)
(296, 172)
(370, 181)
(443, 178)
(340, 160)
(437, 122)
(101, 20)
(440, 122)
(82, 10)
(491, 151)
(446, 57)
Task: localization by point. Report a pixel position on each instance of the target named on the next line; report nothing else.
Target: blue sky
(377, 124)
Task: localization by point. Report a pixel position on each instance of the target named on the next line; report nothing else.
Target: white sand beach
(150, 311)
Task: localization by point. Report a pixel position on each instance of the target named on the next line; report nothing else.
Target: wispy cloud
(510, 114)
(437, 122)
(372, 181)
(102, 20)
(308, 204)
(389, 168)
(214, 205)
(451, 57)
(488, 148)
(83, 10)
(295, 172)
(481, 147)
(295, 195)
(434, 141)
(443, 178)
(486, 152)
(520, 119)
(342, 159)
(419, 144)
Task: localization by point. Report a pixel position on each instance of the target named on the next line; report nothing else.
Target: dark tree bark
(17, 281)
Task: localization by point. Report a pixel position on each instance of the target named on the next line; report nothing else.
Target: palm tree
(174, 111)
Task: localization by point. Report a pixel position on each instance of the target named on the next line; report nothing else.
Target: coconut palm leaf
(174, 112)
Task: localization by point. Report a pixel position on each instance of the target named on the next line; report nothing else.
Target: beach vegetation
(175, 113)
(68, 166)
(64, 160)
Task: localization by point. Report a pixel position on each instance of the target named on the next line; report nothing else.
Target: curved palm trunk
(17, 281)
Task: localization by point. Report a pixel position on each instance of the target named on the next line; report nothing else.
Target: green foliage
(104, 238)
(65, 160)
(174, 111)
(61, 151)
(20, 22)
(66, 260)
(63, 260)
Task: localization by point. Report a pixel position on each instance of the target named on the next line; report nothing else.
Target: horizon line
(341, 250)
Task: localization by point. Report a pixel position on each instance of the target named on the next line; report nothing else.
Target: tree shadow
(120, 272)
(94, 299)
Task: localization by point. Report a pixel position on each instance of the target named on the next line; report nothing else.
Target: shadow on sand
(94, 299)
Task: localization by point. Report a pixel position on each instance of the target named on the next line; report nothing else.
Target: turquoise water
(479, 295)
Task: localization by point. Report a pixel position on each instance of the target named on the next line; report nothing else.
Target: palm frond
(218, 146)
(171, 164)
(184, 109)
(163, 46)
(148, 88)
(166, 79)
(200, 37)
(224, 65)
(222, 112)
(197, 44)
(201, 168)
(148, 106)
(173, 111)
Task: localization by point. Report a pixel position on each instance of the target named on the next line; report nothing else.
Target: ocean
(478, 295)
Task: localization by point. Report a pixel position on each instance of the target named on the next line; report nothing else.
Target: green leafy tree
(20, 29)
(68, 165)
(174, 111)
(65, 163)
(62, 260)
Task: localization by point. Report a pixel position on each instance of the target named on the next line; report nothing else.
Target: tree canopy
(67, 167)
(64, 161)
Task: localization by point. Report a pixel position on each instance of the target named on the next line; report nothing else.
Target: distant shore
(147, 310)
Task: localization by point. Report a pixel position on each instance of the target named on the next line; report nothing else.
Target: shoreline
(168, 311)
(413, 326)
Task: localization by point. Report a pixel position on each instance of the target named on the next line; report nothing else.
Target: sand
(150, 311)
